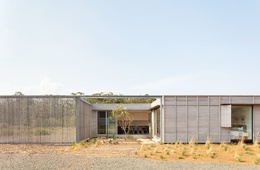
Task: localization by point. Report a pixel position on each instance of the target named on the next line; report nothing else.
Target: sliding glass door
(106, 125)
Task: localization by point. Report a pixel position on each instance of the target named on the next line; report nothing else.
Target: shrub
(183, 151)
(85, 142)
(238, 157)
(257, 159)
(208, 142)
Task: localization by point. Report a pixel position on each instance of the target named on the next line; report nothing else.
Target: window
(105, 124)
(241, 122)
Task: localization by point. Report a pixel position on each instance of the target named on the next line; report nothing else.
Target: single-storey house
(170, 118)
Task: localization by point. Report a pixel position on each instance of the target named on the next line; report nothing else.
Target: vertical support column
(187, 119)
(162, 120)
(198, 118)
(209, 118)
(152, 123)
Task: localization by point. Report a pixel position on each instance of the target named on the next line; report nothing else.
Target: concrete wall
(106, 107)
(83, 120)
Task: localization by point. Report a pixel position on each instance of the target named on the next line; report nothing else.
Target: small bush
(249, 153)
(257, 159)
(183, 151)
(130, 137)
(208, 142)
(180, 157)
(85, 142)
(245, 147)
(225, 147)
(238, 157)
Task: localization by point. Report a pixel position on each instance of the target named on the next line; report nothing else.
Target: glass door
(111, 124)
(106, 125)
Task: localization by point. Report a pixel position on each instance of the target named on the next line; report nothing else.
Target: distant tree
(77, 93)
(18, 93)
(123, 117)
(101, 98)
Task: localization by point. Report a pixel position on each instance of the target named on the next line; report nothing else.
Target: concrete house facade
(170, 118)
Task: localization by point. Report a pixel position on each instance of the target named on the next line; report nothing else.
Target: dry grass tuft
(223, 152)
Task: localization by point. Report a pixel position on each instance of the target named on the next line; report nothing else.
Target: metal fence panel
(27, 119)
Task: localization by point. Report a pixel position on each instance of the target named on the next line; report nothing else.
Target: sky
(132, 47)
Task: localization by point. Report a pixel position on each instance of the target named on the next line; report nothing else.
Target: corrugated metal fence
(44, 119)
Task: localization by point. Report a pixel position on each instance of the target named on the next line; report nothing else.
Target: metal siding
(169, 101)
(213, 101)
(242, 100)
(224, 100)
(214, 123)
(192, 101)
(203, 100)
(181, 101)
(225, 134)
(203, 123)
(257, 100)
(226, 116)
(192, 122)
(181, 123)
(170, 123)
(207, 117)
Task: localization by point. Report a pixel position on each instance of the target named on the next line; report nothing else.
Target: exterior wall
(83, 121)
(199, 117)
(106, 107)
(94, 124)
(256, 121)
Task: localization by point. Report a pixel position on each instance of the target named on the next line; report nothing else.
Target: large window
(106, 125)
(241, 122)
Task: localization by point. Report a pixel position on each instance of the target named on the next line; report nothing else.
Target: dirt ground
(145, 149)
(102, 148)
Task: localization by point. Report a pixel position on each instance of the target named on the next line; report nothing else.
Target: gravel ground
(68, 161)
(106, 156)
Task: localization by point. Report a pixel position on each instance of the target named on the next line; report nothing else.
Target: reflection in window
(105, 124)
(241, 122)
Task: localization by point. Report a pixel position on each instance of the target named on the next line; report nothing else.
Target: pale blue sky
(130, 47)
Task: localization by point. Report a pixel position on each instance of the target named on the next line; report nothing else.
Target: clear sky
(130, 47)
